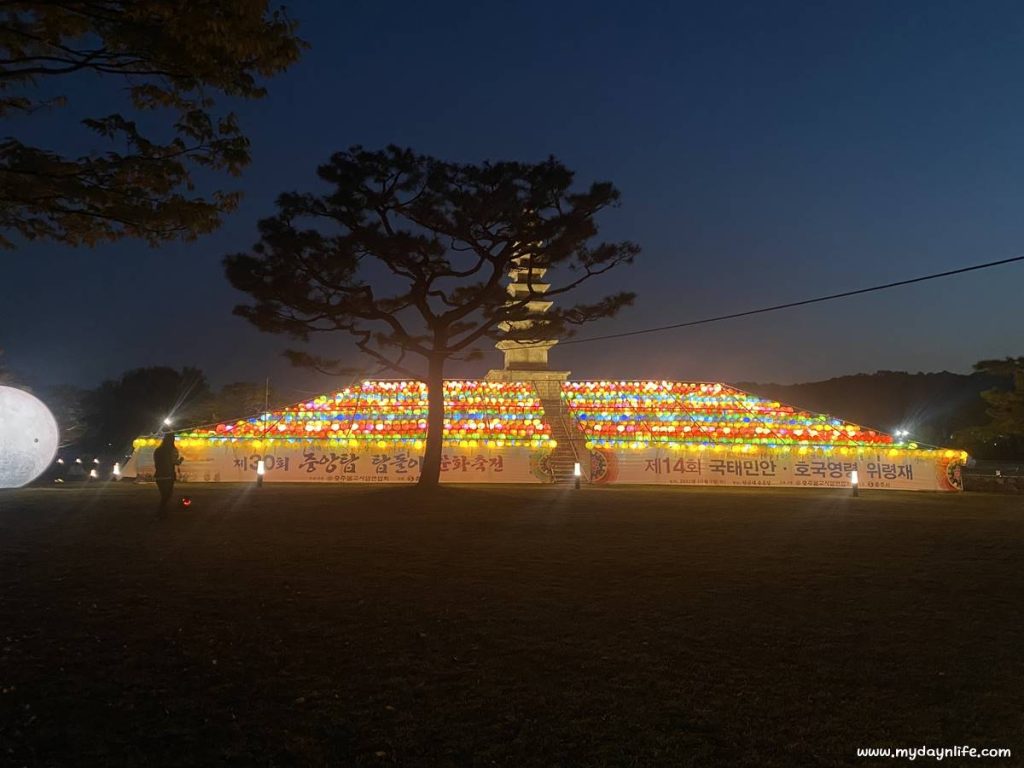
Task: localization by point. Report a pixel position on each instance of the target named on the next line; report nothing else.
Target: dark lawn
(507, 626)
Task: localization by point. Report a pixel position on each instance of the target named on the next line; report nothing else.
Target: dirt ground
(336, 626)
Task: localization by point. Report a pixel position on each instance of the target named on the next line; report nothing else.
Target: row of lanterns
(613, 414)
(389, 412)
(779, 449)
(644, 412)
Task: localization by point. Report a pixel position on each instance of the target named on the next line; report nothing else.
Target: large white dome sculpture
(28, 437)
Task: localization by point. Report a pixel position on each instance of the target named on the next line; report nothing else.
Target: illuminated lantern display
(382, 413)
(640, 414)
(526, 423)
(607, 431)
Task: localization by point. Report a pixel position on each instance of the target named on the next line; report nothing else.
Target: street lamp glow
(167, 421)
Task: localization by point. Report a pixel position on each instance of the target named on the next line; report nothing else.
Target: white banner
(875, 470)
(322, 462)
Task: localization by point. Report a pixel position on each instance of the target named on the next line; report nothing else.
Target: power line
(747, 313)
(792, 304)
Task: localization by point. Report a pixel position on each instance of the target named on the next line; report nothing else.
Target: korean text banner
(875, 470)
(323, 462)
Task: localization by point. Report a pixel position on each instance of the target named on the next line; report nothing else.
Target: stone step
(566, 432)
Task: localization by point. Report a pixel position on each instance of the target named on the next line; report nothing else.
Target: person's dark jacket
(165, 461)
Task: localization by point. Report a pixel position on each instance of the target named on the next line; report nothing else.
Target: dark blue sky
(766, 152)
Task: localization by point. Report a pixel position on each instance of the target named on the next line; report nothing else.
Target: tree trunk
(430, 471)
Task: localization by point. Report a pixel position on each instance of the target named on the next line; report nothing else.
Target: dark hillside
(931, 405)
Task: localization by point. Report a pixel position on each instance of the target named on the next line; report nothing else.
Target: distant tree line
(1002, 437)
(105, 420)
(982, 412)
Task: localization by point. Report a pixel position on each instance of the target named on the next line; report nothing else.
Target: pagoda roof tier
(521, 289)
(526, 274)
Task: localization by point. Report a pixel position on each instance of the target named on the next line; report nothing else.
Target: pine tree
(409, 255)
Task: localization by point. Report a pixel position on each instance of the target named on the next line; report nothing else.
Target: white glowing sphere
(28, 437)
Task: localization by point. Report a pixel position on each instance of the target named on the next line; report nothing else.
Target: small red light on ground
(186, 501)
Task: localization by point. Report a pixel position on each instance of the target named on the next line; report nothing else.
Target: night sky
(766, 152)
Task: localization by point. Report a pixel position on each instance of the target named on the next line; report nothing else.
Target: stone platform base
(548, 383)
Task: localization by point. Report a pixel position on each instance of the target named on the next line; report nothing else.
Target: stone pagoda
(528, 360)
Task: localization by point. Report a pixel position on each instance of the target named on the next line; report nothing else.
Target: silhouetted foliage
(238, 400)
(104, 421)
(409, 255)
(120, 410)
(1003, 436)
(67, 404)
(170, 57)
(933, 407)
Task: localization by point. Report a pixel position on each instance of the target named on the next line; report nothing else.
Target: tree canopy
(171, 57)
(932, 406)
(1003, 436)
(137, 402)
(409, 255)
(104, 421)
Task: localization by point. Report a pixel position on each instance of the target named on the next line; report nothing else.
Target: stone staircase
(566, 432)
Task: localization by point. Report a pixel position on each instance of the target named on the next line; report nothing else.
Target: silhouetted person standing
(166, 460)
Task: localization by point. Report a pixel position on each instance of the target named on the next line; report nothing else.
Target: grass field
(507, 626)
